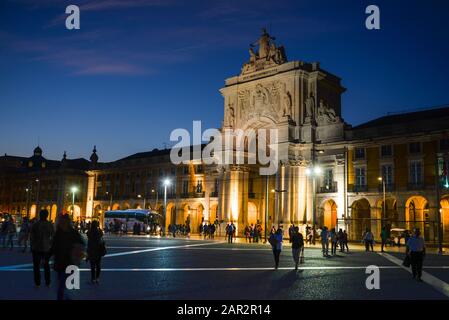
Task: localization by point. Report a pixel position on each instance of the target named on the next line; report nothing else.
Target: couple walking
(297, 240)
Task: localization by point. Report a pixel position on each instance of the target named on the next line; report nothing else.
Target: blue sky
(139, 68)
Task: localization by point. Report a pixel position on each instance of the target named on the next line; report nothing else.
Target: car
(397, 236)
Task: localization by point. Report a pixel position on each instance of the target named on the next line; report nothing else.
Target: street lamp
(314, 172)
(37, 196)
(73, 190)
(167, 182)
(27, 190)
(157, 198)
(110, 200)
(140, 197)
(384, 204)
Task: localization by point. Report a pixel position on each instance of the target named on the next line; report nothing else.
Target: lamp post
(74, 190)
(27, 190)
(157, 196)
(384, 205)
(37, 196)
(140, 197)
(314, 172)
(167, 182)
(110, 200)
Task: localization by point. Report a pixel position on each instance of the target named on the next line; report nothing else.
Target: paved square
(153, 268)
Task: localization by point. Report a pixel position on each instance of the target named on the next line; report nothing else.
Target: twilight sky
(138, 69)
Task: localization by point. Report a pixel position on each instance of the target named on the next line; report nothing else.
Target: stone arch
(252, 213)
(171, 214)
(360, 218)
(329, 214)
(33, 211)
(137, 206)
(53, 212)
(196, 217)
(417, 213)
(115, 206)
(213, 215)
(444, 203)
(389, 217)
(74, 211)
(126, 206)
(98, 212)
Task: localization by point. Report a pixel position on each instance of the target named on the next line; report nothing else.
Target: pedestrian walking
(334, 241)
(24, 234)
(368, 239)
(416, 250)
(68, 249)
(41, 237)
(341, 243)
(345, 241)
(276, 245)
(11, 231)
(383, 237)
(96, 249)
(3, 231)
(325, 241)
(297, 246)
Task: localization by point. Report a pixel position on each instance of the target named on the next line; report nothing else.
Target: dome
(37, 151)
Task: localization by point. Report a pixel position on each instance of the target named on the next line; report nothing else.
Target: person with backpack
(41, 237)
(96, 249)
(276, 245)
(297, 246)
(68, 249)
(24, 234)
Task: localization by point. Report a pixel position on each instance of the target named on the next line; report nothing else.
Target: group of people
(296, 239)
(64, 243)
(336, 239)
(179, 230)
(253, 232)
(208, 230)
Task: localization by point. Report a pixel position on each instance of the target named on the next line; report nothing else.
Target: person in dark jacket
(95, 250)
(41, 237)
(67, 249)
(297, 246)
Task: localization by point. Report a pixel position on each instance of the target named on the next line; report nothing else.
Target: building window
(199, 186)
(216, 185)
(328, 178)
(415, 172)
(386, 151)
(173, 171)
(199, 168)
(359, 153)
(414, 147)
(185, 187)
(161, 172)
(360, 176)
(186, 169)
(387, 174)
(444, 144)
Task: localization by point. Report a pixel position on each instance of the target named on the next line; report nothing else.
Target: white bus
(148, 220)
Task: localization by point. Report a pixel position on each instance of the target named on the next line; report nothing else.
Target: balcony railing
(329, 188)
(193, 195)
(388, 187)
(415, 186)
(359, 188)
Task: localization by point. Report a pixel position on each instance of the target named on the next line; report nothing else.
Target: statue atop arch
(268, 54)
